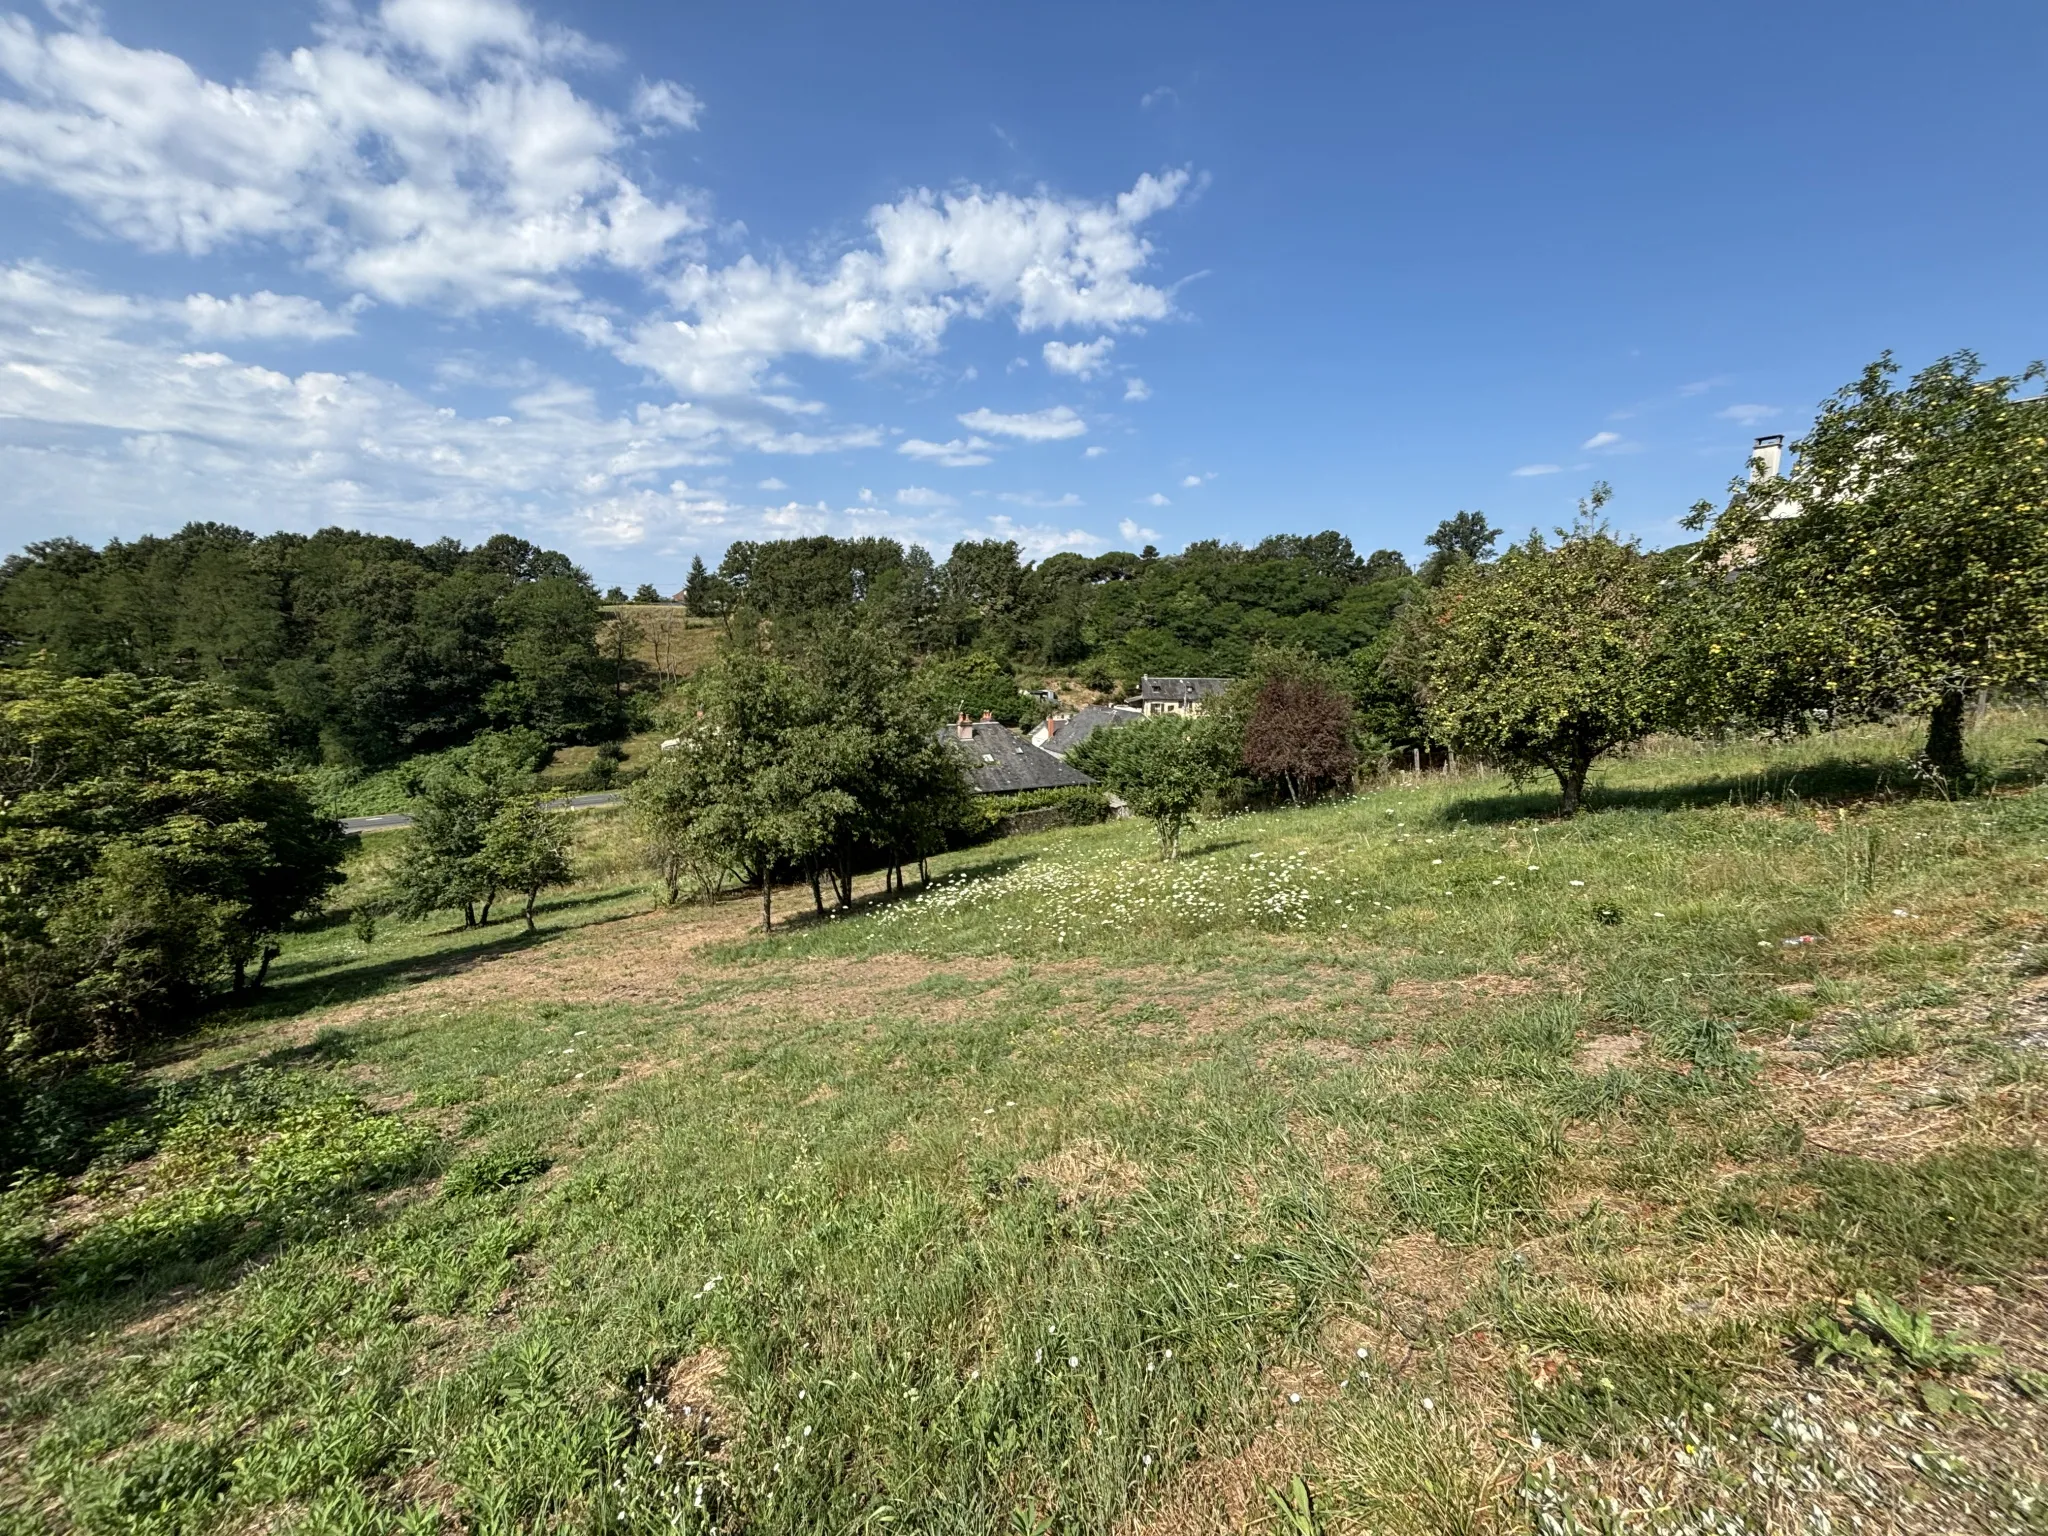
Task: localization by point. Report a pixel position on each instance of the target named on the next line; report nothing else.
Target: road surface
(393, 820)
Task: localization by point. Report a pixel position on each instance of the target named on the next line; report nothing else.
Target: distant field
(667, 639)
(1486, 1173)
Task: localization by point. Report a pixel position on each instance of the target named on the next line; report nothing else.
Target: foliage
(450, 862)
(524, 849)
(367, 648)
(1162, 768)
(150, 856)
(1921, 528)
(1550, 657)
(1458, 541)
(1892, 1333)
(499, 1168)
(667, 805)
(1298, 725)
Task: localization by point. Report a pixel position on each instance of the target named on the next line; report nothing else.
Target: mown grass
(1083, 1193)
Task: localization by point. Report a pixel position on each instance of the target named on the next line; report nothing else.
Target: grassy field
(1673, 1170)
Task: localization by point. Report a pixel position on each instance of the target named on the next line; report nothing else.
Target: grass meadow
(1415, 1163)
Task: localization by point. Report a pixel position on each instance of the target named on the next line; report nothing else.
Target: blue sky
(636, 280)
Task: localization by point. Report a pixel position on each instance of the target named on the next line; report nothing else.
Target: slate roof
(1083, 723)
(1000, 762)
(1179, 690)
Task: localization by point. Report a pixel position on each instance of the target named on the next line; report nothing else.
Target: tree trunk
(270, 953)
(241, 973)
(1945, 736)
(469, 914)
(817, 895)
(767, 898)
(531, 897)
(924, 874)
(1572, 781)
(489, 902)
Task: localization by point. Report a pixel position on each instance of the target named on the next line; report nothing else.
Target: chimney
(962, 729)
(988, 717)
(1769, 449)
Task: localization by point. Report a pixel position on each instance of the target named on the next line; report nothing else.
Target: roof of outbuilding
(1181, 689)
(1000, 762)
(1083, 723)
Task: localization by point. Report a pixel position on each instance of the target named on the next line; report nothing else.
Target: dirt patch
(1485, 986)
(1602, 1052)
(1419, 1285)
(689, 1394)
(1087, 1169)
(1223, 1493)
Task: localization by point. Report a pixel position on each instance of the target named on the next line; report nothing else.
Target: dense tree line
(1114, 617)
(364, 648)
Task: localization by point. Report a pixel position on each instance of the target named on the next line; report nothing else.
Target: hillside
(1484, 1171)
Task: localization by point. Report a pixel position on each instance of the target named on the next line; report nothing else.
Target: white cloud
(264, 316)
(922, 496)
(1748, 415)
(1156, 499)
(1158, 94)
(1048, 262)
(1046, 426)
(1039, 499)
(1082, 359)
(662, 104)
(1538, 469)
(771, 484)
(1137, 389)
(420, 154)
(1094, 452)
(959, 453)
(1190, 481)
(121, 416)
(1134, 534)
(1699, 387)
(1601, 440)
(1037, 540)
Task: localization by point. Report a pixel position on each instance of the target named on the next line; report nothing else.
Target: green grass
(1063, 1194)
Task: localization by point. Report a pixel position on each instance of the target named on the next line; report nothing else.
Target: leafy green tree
(667, 805)
(443, 867)
(1921, 512)
(763, 762)
(149, 852)
(615, 594)
(1164, 769)
(1464, 539)
(647, 593)
(1551, 656)
(525, 849)
(559, 683)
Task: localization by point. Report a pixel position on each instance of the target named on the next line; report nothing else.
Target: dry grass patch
(1602, 1052)
(1087, 1169)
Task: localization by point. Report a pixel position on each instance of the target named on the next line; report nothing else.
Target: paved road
(392, 821)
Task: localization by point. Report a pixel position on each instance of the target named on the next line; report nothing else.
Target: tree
(148, 853)
(762, 767)
(646, 593)
(444, 865)
(697, 600)
(1298, 727)
(667, 805)
(525, 848)
(1550, 657)
(1465, 539)
(1162, 768)
(1922, 514)
(615, 594)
